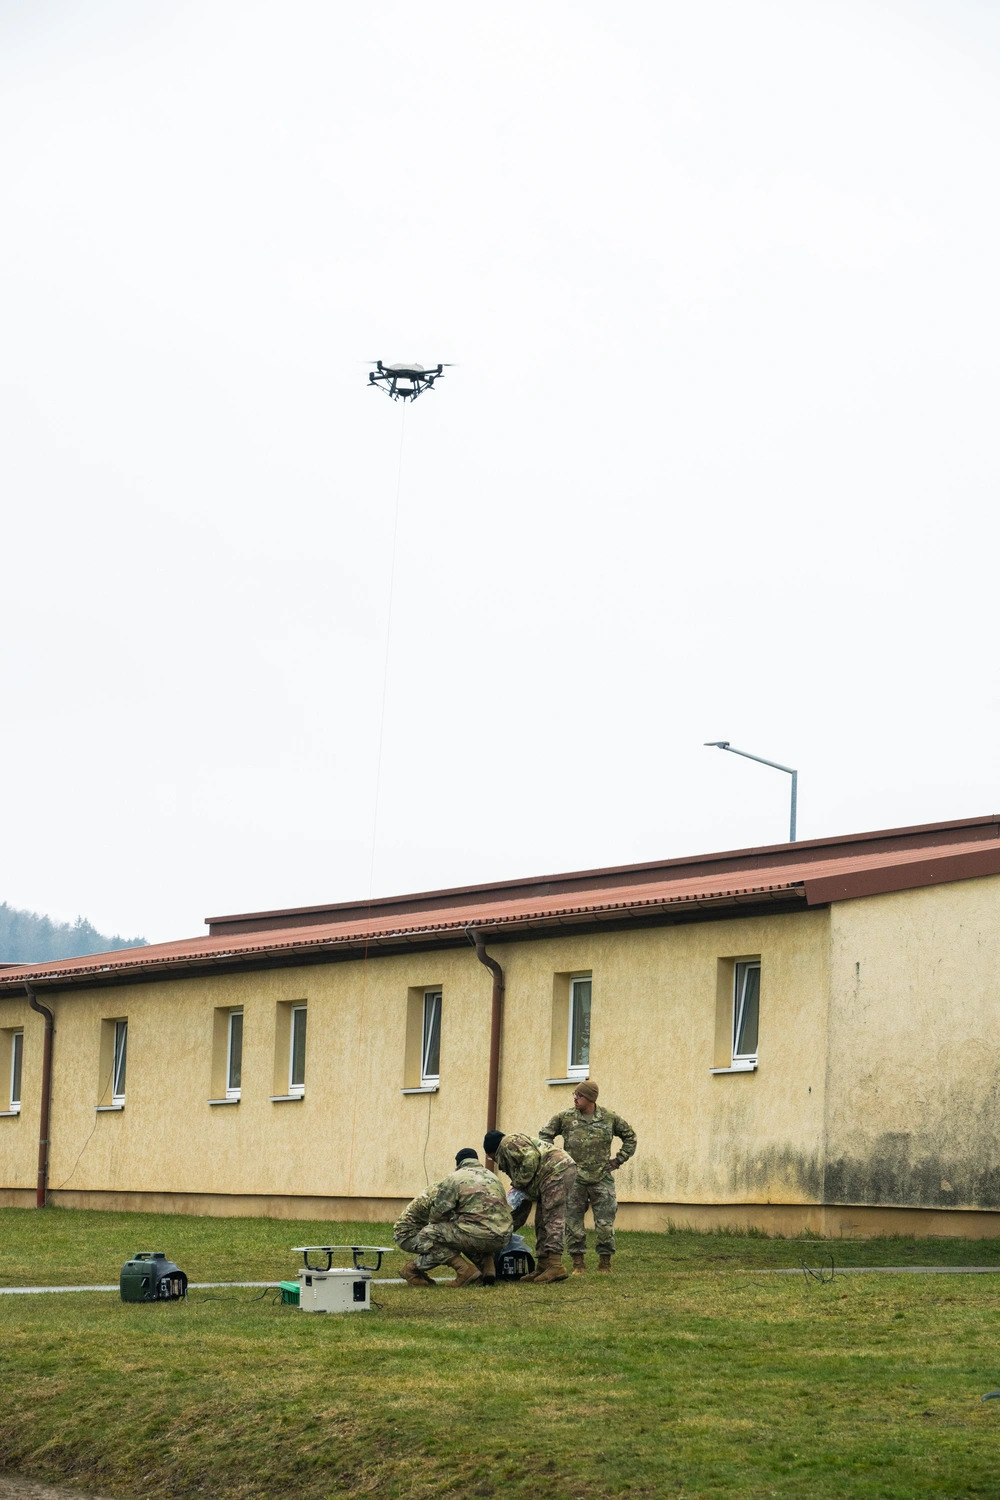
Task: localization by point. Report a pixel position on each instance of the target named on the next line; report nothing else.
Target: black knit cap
(466, 1154)
(491, 1140)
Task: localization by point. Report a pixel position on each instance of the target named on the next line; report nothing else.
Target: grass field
(685, 1373)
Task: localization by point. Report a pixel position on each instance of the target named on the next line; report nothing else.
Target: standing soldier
(546, 1176)
(463, 1215)
(587, 1131)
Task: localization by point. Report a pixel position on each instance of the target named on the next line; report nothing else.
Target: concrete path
(194, 1286)
(888, 1270)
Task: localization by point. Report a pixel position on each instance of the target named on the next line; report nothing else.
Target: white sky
(719, 458)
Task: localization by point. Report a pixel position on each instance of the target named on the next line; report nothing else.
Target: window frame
(433, 998)
(119, 1066)
(741, 970)
(16, 1070)
(578, 1070)
(233, 1091)
(296, 1090)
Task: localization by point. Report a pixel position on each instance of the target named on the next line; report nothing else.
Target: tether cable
(378, 787)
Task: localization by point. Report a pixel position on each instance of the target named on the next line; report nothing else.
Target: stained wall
(914, 1063)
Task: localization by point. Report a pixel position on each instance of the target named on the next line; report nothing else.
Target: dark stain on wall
(775, 1173)
(950, 1160)
(897, 1175)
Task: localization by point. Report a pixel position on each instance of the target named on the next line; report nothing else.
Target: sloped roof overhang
(505, 915)
(296, 947)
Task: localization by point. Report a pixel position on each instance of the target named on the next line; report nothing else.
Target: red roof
(791, 877)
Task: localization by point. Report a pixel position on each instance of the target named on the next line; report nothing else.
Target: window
(579, 1027)
(16, 1054)
(746, 1011)
(121, 1048)
(297, 1052)
(234, 1054)
(430, 1052)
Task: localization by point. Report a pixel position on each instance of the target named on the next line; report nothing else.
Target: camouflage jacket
(474, 1196)
(529, 1162)
(588, 1139)
(414, 1216)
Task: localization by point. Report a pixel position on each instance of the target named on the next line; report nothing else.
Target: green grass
(685, 1373)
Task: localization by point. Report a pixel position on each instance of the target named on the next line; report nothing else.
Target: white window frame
(233, 1092)
(741, 969)
(578, 1070)
(16, 1070)
(431, 997)
(296, 1090)
(119, 1067)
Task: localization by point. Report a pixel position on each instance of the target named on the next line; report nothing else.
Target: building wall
(703, 1138)
(355, 1142)
(914, 1065)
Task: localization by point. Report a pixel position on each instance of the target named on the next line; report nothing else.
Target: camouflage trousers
(436, 1244)
(407, 1240)
(550, 1212)
(603, 1199)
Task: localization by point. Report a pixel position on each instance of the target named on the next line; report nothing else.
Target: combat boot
(550, 1268)
(465, 1271)
(578, 1267)
(604, 1263)
(413, 1276)
(489, 1270)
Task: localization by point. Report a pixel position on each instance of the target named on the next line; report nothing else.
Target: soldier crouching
(463, 1215)
(546, 1176)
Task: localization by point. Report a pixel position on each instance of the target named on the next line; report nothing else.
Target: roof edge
(300, 915)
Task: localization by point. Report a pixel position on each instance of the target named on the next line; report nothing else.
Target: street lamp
(725, 745)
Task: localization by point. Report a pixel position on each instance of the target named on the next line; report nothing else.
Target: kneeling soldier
(587, 1131)
(466, 1215)
(546, 1175)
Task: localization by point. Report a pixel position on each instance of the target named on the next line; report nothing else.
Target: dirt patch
(13, 1487)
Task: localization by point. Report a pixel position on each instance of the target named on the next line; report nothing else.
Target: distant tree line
(28, 938)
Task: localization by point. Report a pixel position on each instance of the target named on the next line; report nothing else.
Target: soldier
(417, 1213)
(466, 1215)
(587, 1131)
(546, 1176)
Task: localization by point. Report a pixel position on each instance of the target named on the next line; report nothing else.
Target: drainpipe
(496, 1018)
(41, 1193)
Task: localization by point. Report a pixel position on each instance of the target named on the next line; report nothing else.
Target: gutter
(496, 1021)
(41, 1192)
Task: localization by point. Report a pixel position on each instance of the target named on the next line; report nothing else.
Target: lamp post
(725, 745)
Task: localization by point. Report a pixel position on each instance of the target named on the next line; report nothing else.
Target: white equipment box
(338, 1289)
(341, 1289)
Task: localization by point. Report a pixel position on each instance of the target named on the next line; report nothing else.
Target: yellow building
(803, 1036)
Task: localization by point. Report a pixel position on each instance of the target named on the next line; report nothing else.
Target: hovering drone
(404, 381)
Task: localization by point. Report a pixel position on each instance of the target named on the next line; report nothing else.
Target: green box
(150, 1277)
(289, 1293)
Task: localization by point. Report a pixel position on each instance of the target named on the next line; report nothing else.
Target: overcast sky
(718, 458)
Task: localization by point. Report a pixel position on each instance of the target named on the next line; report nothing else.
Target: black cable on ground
(268, 1291)
(820, 1275)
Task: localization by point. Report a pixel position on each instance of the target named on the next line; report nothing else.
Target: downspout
(496, 1020)
(41, 1193)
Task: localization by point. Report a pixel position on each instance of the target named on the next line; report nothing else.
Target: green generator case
(150, 1277)
(289, 1293)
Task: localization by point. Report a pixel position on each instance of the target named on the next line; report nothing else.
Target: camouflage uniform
(413, 1218)
(547, 1176)
(467, 1214)
(587, 1138)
